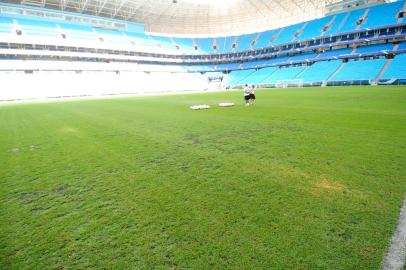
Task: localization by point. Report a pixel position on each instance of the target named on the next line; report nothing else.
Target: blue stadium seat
(375, 16)
(337, 24)
(185, 44)
(335, 53)
(262, 63)
(374, 48)
(402, 46)
(111, 36)
(360, 70)
(229, 66)
(350, 23)
(139, 39)
(314, 28)
(221, 44)
(320, 71)
(6, 25)
(163, 42)
(260, 75)
(244, 42)
(204, 44)
(396, 69)
(283, 73)
(78, 32)
(264, 39)
(38, 27)
(301, 57)
(288, 34)
(237, 77)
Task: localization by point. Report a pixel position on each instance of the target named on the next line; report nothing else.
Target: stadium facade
(47, 50)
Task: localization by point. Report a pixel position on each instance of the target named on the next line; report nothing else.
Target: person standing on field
(247, 95)
(252, 94)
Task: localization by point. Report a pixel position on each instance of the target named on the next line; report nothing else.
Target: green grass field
(305, 179)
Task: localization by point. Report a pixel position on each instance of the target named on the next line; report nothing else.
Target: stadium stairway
(351, 22)
(383, 70)
(359, 70)
(301, 72)
(327, 26)
(386, 65)
(319, 71)
(339, 68)
(363, 17)
(397, 68)
(343, 22)
(402, 9)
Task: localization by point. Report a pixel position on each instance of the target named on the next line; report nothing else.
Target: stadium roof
(196, 16)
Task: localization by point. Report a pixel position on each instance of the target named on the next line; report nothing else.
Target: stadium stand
(260, 76)
(265, 38)
(204, 45)
(374, 48)
(37, 27)
(336, 23)
(360, 70)
(78, 32)
(315, 28)
(353, 45)
(319, 71)
(349, 22)
(335, 53)
(397, 68)
(375, 18)
(288, 34)
(245, 42)
(283, 73)
(6, 25)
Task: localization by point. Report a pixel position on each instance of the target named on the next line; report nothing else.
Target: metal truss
(196, 16)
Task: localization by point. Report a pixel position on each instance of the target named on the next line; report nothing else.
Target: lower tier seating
(396, 69)
(360, 70)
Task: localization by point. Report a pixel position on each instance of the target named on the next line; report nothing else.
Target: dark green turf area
(305, 179)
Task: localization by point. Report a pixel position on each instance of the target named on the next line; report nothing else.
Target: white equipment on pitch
(200, 107)
(226, 104)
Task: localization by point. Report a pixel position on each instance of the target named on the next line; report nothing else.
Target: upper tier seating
(314, 28)
(163, 42)
(350, 22)
(38, 27)
(78, 32)
(226, 44)
(343, 22)
(6, 25)
(337, 23)
(204, 45)
(111, 36)
(375, 18)
(288, 34)
(185, 44)
(264, 39)
(245, 42)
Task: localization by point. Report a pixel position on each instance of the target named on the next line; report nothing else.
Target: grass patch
(305, 179)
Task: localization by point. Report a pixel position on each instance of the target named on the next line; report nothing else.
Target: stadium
(203, 134)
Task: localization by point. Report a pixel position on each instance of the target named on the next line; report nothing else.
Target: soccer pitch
(308, 178)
